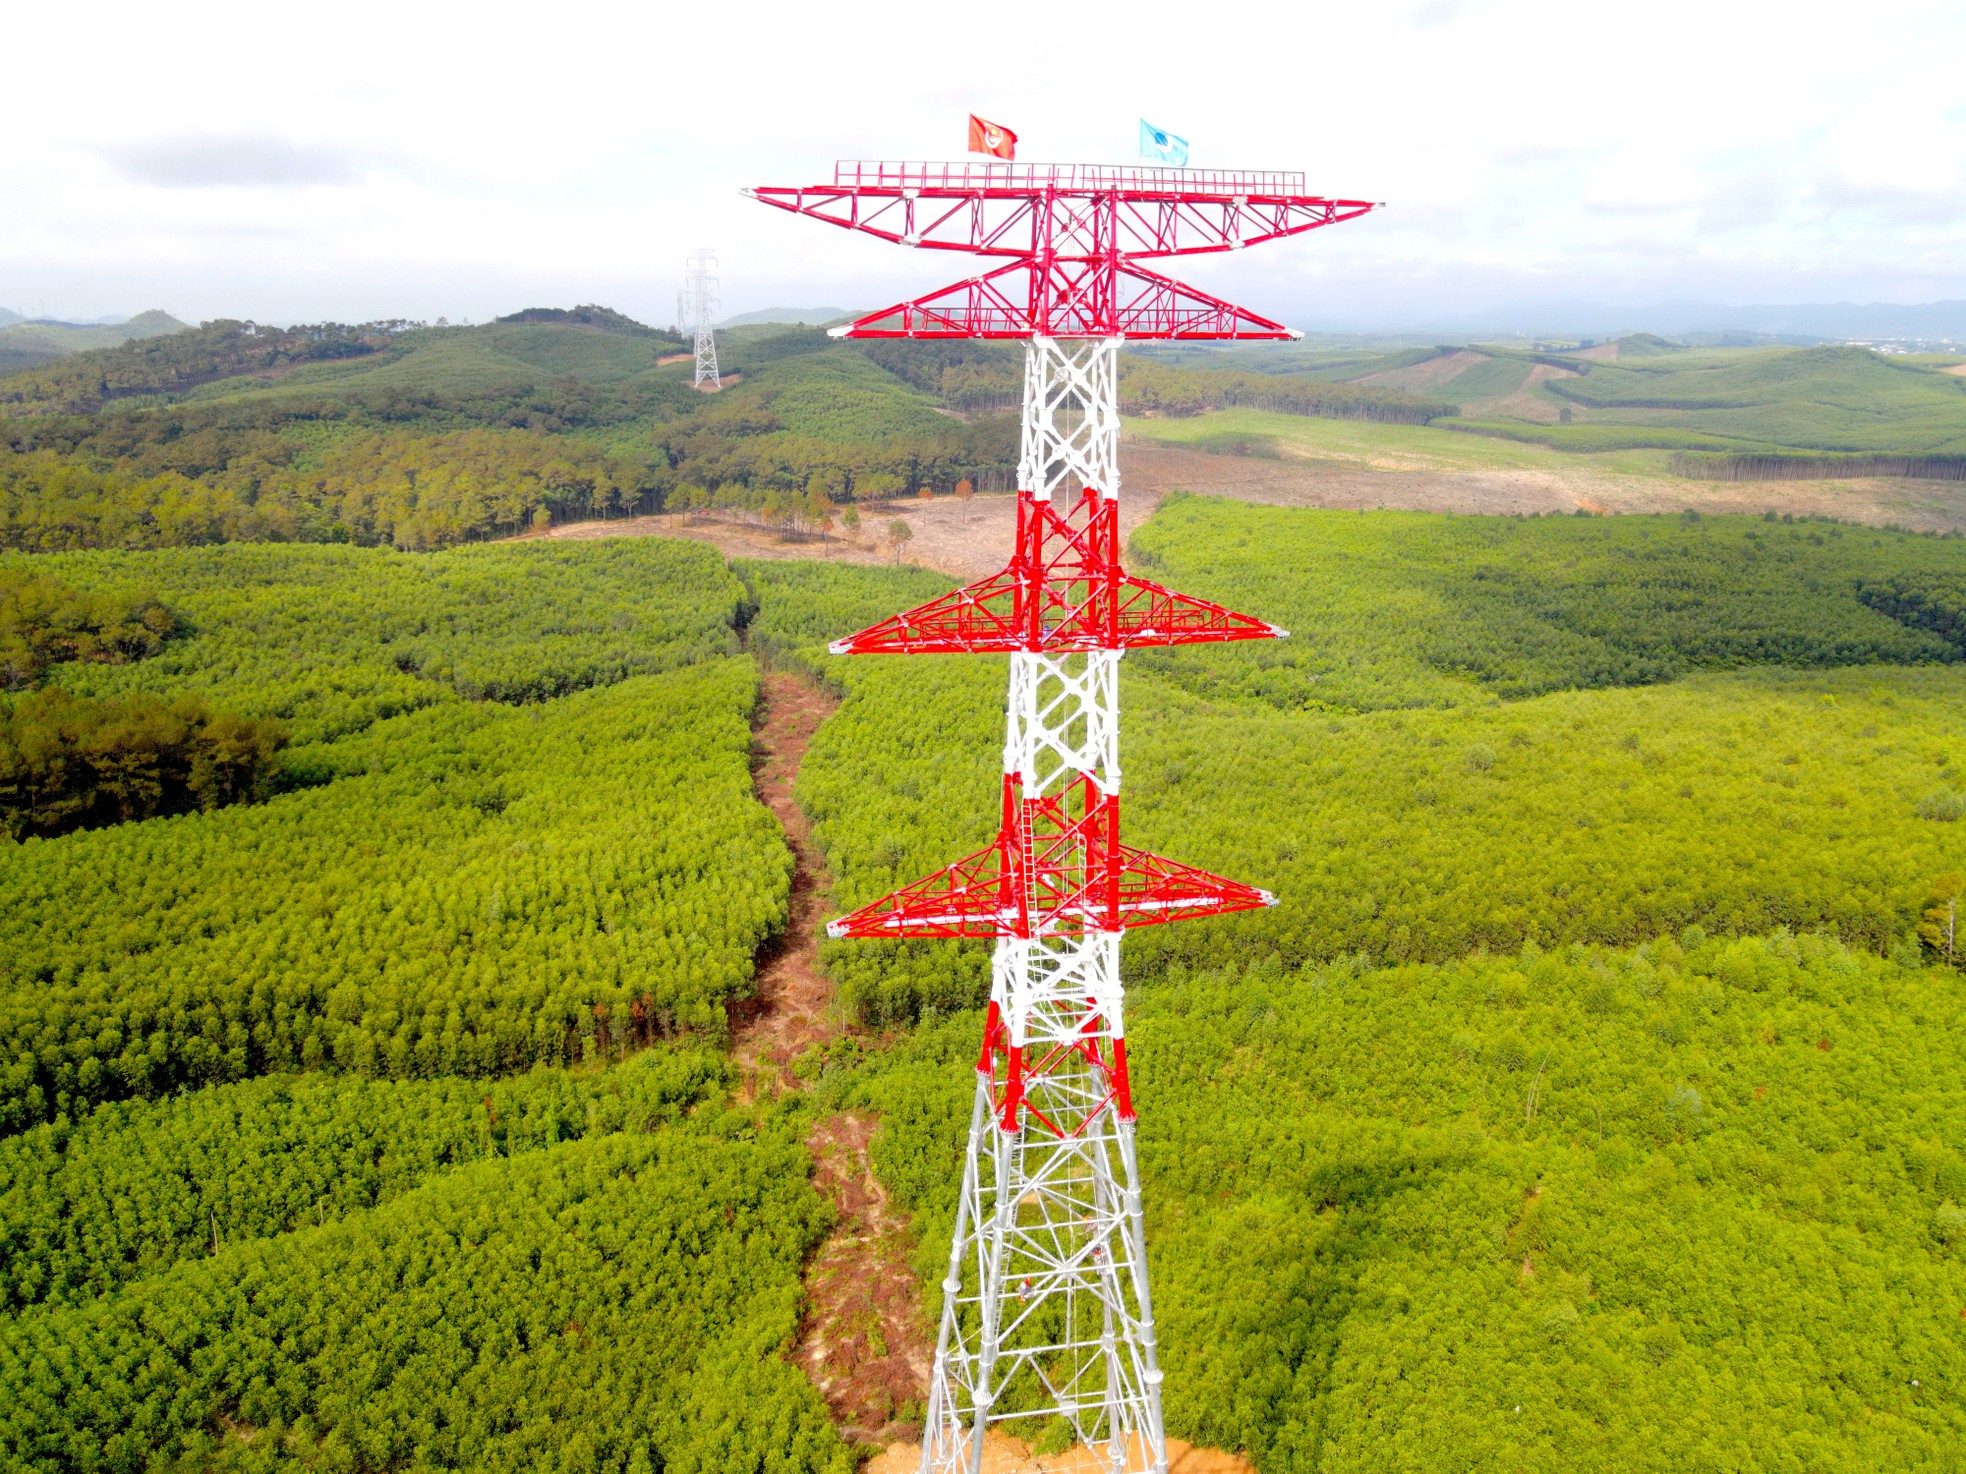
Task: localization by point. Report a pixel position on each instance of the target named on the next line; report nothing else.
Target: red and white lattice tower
(1046, 1314)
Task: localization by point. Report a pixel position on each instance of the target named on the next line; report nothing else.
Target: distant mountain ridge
(26, 342)
(802, 316)
(1806, 321)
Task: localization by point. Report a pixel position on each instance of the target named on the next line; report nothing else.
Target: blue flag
(1158, 143)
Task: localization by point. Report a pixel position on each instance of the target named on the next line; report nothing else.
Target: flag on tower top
(986, 137)
(1158, 143)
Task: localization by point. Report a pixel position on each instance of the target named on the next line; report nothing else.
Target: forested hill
(25, 344)
(420, 436)
(180, 362)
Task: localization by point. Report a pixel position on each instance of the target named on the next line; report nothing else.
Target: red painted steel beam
(1073, 238)
(1063, 591)
(1050, 870)
(1139, 218)
(963, 899)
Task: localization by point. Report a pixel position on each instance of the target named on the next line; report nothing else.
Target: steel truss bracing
(1072, 239)
(1047, 1321)
(700, 306)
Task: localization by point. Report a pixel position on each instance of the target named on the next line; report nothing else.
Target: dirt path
(793, 1006)
(862, 1341)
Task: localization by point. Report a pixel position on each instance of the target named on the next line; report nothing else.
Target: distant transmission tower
(1046, 1313)
(699, 304)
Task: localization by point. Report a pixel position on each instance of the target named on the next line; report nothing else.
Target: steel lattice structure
(1047, 1312)
(698, 306)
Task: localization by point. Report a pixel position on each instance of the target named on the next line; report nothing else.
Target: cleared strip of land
(1297, 461)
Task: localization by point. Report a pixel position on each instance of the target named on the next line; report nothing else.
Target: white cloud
(368, 159)
(246, 162)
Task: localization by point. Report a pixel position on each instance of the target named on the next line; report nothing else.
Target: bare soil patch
(964, 537)
(732, 538)
(1155, 470)
(1522, 402)
(1149, 471)
(971, 538)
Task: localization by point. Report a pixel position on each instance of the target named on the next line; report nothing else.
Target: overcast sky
(356, 160)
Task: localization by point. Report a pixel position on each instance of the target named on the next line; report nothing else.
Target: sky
(300, 162)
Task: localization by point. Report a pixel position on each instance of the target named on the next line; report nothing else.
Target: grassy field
(1384, 447)
(1841, 399)
(1643, 391)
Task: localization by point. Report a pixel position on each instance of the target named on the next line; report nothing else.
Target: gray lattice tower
(700, 305)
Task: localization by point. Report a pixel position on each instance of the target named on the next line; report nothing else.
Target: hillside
(24, 344)
(1646, 392)
(1643, 391)
(800, 316)
(426, 436)
(422, 436)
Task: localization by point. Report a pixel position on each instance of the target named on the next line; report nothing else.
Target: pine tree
(1940, 927)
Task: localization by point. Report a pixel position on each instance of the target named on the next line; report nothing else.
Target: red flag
(991, 138)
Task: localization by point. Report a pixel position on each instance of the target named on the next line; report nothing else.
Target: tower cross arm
(1070, 212)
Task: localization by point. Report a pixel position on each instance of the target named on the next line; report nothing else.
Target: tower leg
(943, 1431)
(1044, 1334)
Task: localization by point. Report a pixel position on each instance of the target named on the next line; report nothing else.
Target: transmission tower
(696, 307)
(1046, 1309)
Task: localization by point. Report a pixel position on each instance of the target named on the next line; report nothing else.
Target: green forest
(417, 437)
(405, 435)
(378, 1117)
(376, 898)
